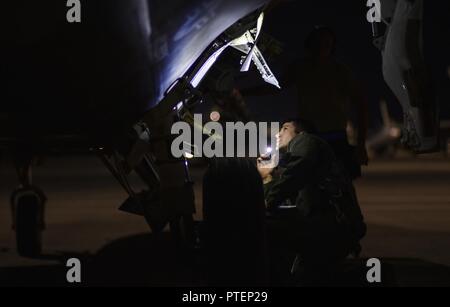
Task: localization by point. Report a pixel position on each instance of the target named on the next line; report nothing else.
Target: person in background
(328, 97)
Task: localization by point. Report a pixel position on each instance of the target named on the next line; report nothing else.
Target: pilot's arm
(298, 172)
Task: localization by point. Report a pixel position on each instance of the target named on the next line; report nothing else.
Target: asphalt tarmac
(406, 203)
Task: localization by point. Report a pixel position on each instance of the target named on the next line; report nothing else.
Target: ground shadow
(154, 260)
(138, 260)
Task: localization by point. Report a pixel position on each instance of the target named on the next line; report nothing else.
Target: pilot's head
(290, 129)
(321, 42)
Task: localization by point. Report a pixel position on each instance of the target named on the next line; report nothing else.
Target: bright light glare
(208, 64)
(178, 106)
(188, 155)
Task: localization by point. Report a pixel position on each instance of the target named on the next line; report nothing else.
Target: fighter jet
(405, 71)
(112, 84)
(387, 138)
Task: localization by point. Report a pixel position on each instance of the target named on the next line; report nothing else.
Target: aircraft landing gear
(27, 204)
(182, 229)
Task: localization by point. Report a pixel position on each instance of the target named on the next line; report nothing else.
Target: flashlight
(268, 154)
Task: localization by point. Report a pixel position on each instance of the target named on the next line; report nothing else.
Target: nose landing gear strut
(27, 204)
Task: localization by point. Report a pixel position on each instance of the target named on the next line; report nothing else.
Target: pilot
(311, 205)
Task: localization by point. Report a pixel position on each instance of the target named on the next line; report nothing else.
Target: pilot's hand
(265, 168)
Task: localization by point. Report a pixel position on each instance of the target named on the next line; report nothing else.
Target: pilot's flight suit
(325, 222)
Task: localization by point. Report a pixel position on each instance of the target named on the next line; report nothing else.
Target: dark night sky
(291, 21)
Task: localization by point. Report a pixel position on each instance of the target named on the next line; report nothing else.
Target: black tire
(29, 225)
